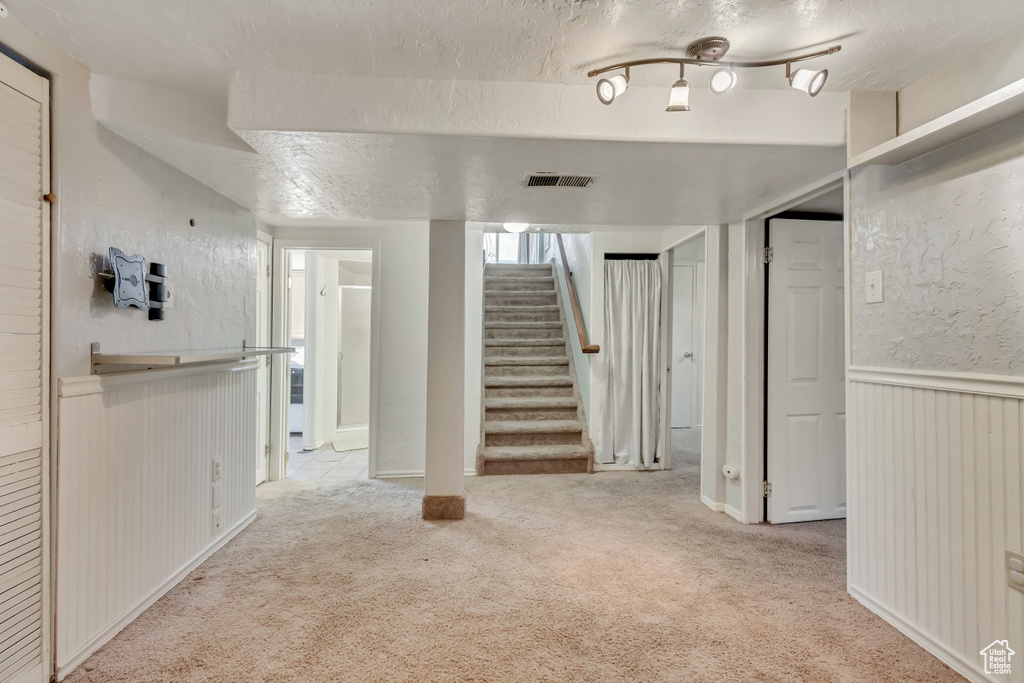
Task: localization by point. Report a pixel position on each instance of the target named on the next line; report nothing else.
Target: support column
(445, 493)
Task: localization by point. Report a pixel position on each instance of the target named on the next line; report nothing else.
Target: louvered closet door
(23, 368)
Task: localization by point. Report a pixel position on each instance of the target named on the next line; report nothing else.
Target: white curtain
(632, 348)
(523, 255)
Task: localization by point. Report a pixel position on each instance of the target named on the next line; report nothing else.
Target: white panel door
(24, 221)
(806, 399)
(683, 338)
(263, 373)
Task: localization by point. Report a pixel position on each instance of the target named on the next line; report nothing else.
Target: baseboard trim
(717, 507)
(946, 656)
(734, 513)
(399, 474)
(444, 507)
(101, 639)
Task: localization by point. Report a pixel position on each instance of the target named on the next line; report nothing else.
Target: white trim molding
(950, 659)
(1006, 386)
(69, 387)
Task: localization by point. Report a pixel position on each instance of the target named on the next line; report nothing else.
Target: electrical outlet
(873, 287)
(218, 469)
(1015, 570)
(218, 522)
(218, 495)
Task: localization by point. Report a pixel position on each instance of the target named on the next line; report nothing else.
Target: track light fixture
(722, 81)
(808, 80)
(679, 96)
(610, 88)
(709, 52)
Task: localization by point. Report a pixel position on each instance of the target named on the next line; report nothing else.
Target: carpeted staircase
(533, 421)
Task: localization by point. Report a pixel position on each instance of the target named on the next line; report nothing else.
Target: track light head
(808, 80)
(679, 98)
(722, 81)
(610, 88)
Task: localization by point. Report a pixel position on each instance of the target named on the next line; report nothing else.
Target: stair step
(517, 266)
(519, 381)
(530, 403)
(519, 309)
(526, 360)
(526, 324)
(533, 427)
(554, 341)
(512, 280)
(528, 453)
(525, 294)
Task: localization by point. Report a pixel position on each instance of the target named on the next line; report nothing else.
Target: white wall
(715, 382)
(110, 193)
(402, 381)
(935, 454)
(473, 407)
(944, 229)
(578, 254)
(963, 80)
(135, 496)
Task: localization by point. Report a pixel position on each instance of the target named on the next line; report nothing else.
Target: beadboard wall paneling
(135, 491)
(934, 482)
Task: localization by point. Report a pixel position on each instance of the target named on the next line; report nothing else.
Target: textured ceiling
(408, 177)
(197, 44)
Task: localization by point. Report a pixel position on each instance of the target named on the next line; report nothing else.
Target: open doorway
(687, 352)
(329, 322)
(805, 361)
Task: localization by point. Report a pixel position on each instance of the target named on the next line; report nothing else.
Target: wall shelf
(985, 112)
(177, 358)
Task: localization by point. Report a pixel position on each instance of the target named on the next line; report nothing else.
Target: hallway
(614, 576)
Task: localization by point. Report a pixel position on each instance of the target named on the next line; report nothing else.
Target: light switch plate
(873, 287)
(1014, 569)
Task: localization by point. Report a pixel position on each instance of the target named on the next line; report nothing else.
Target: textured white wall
(402, 382)
(947, 231)
(110, 193)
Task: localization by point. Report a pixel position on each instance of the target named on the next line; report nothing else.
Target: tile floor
(325, 464)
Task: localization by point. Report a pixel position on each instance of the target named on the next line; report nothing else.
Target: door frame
(751, 304)
(268, 239)
(279, 329)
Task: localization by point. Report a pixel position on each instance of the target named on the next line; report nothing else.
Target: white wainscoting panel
(135, 490)
(934, 472)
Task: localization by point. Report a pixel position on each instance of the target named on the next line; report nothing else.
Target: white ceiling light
(709, 52)
(679, 98)
(808, 80)
(516, 227)
(610, 88)
(722, 81)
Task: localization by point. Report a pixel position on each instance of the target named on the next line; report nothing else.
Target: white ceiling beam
(350, 104)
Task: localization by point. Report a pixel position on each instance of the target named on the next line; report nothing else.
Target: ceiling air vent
(557, 180)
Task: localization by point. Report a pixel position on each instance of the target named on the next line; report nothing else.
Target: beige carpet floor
(604, 577)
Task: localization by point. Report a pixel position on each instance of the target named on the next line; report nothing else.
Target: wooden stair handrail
(574, 302)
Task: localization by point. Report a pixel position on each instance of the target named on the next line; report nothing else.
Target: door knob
(687, 355)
